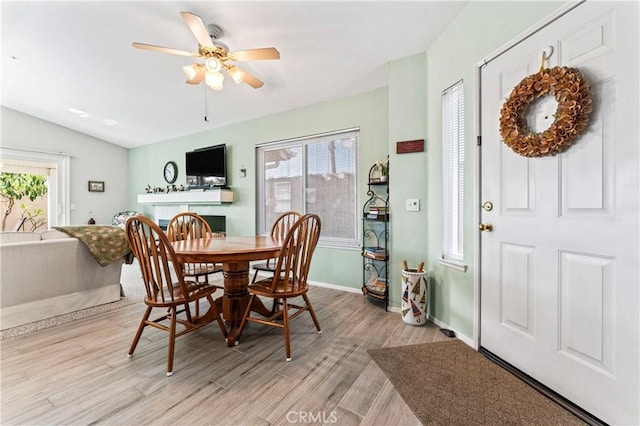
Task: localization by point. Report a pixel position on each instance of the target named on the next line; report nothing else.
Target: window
(452, 173)
(58, 207)
(314, 174)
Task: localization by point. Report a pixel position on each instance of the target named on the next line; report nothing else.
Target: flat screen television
(207, 167)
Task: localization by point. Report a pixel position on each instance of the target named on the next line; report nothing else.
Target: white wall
(91, 159)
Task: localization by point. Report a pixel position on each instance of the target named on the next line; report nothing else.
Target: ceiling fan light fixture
(236, 74)
(215, 55)
(213, 64)
(214, 80)
(191, 70)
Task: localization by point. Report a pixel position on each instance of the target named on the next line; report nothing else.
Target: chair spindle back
(283, 223)
(292, 267)
(157, 259)
(188, 226)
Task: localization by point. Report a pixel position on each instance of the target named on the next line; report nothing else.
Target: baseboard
(327, 285)
(465, 339)
(335, 287)
(468, 341)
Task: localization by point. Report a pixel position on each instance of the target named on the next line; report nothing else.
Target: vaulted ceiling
(72, 63)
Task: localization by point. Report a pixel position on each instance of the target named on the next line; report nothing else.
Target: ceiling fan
(216, 56)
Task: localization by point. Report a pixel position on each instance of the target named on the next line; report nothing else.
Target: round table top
(227, 249)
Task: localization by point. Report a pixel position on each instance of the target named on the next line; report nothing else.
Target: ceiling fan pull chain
(206, 107)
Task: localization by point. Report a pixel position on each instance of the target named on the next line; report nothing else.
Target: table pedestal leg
(234, 301)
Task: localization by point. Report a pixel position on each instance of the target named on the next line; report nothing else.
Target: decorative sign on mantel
(404, 147)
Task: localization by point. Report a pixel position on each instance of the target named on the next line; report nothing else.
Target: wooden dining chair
(165, 286)
(189, 225)
(289, 279)
(279, 230)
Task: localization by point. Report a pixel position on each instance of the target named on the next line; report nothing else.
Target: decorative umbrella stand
(414, 296)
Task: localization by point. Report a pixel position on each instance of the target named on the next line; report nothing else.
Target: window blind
(452, 172)
(313, 174)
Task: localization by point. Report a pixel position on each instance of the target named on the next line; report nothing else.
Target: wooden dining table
(234, 253)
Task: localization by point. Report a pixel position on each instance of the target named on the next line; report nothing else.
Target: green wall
(409, 108)
(407, 121)
(367, 111)
(479, 30)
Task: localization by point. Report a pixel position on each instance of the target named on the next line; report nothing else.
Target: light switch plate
(413, 204)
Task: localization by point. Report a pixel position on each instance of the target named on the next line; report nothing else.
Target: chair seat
(195, 269)
(196, 290)
(264, 288)
(263, 267)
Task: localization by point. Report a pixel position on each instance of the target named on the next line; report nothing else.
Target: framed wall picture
(96, 186)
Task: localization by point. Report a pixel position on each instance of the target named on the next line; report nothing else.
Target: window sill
(355, 245)
(457, 266)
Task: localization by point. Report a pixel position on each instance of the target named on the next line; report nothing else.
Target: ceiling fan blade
(255, 54)
(252, 81)
(197, 28)
(164, 49)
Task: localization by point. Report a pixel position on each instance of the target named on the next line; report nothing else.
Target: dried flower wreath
(570, 89)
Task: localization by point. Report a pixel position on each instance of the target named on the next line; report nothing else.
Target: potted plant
(383, 167)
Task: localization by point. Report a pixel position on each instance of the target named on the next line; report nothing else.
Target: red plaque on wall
(405, 147)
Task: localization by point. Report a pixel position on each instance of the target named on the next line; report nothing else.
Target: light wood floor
(78, 373)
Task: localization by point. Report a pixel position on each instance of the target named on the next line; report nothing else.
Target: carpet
(449, 383)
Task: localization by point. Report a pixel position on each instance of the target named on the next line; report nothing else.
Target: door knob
(485, 227)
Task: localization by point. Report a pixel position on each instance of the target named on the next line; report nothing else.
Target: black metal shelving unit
(375, 239)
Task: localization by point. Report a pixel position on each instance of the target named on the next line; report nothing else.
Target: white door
(559, 271)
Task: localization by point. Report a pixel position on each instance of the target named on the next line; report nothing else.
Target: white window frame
(59, 181)
(453, 175)
(309, 195)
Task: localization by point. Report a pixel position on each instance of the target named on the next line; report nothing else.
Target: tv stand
(201, 188)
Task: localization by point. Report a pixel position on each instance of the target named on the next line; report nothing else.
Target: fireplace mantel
(211, 197)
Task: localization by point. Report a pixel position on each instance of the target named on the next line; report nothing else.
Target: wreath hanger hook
(546, 54)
